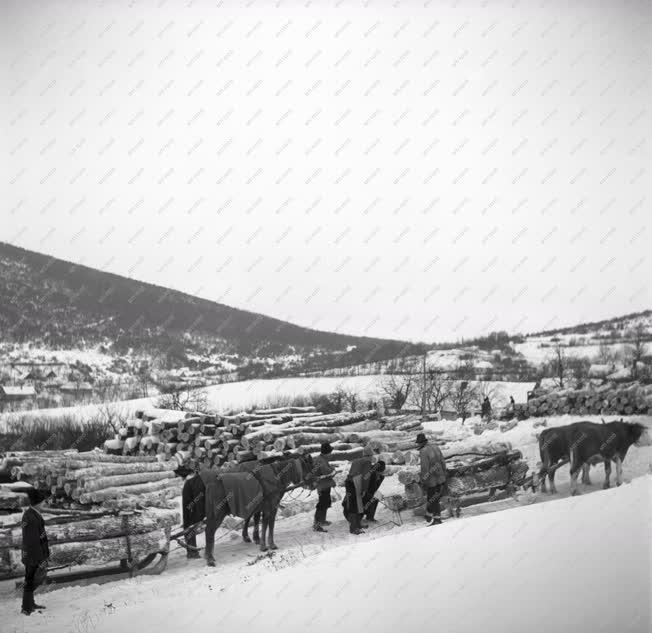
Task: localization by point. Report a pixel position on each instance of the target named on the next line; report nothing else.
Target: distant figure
(192, 500)
(35, 551)
(511, 409)
(486, 408)
(433, 477)
(324, 482)
(512, 402)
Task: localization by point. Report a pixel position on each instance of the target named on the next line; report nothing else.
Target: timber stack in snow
(83, 480)
(608, 399)
(94, 538)
(225, 440)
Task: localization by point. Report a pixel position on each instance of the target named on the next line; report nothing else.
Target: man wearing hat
(433, 477)
(323, 484)
(35, 550)
(192, 501)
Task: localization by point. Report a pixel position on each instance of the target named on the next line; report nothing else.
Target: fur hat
(367, 451)
(326, 448)
(36, 496)
(422, 439)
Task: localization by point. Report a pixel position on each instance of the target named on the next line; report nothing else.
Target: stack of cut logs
(81, 480)
(471, 477)
(608, 399)
(93, 538)
(224, 440)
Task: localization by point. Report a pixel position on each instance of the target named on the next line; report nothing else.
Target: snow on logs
(223, 440)
(80, 480)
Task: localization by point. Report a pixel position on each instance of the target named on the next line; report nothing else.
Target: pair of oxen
(585, 443)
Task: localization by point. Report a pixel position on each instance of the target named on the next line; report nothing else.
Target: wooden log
(102, 551)
(108, 469)
(101, 527)
(100, 483)
(156, 499)
(100, 496)
(97, 456)
(10, 500)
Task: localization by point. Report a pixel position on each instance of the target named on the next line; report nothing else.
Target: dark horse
(273, 479)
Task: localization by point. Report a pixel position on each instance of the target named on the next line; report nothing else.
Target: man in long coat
(376, 478)
(323, 473)
(193, 504)
(35, 551)
(356, 485)
(433, 477)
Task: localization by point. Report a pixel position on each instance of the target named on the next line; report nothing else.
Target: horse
(270, 482)
(257, 470)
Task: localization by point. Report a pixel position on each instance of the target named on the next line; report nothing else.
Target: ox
(554, 449)
(604, 442)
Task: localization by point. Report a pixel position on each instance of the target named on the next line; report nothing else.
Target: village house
(16, 393)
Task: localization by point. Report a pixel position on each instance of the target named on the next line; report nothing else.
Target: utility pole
(423, 391)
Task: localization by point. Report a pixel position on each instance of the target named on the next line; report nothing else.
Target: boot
(318, 528)
(28, 602)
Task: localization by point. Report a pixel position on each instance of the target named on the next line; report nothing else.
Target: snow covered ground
(577, 564)
(535, 563)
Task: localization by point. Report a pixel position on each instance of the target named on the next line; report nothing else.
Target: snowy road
(503, 570)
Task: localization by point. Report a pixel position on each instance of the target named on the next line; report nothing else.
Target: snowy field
(237, 396)
(536, 562)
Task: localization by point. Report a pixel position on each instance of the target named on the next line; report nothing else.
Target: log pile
(225, 440)
(92, 538)
(83, 480)
(470, 476)
(609, 399)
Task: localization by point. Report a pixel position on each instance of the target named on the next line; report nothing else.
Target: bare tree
(605, 355)
(182, 397)
(352, 399)
(397, 388)
(112, 414)
(558, 364)
(144, 377)
(430, 390)
(636, 350)
(464, 397)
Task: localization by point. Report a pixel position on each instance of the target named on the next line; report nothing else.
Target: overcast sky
(415, 170)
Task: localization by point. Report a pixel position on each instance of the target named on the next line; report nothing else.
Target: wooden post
(423, 393)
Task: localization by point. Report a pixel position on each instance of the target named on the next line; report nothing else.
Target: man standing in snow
(324, 482)
(356, 485)
(370, 502)
(192, 500)
(35, 551)
(433, 477)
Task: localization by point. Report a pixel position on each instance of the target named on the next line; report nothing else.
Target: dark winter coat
(433, 465)
(375, 478)
(35, 547)
(322, 469)
(192, 500)
(359, 475)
